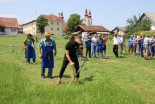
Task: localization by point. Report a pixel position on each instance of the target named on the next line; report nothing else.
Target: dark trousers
(115, 50)
(88, 49)
(135, 48)
(130, 48)
(64, 65)
(121, 48)
(28, 60)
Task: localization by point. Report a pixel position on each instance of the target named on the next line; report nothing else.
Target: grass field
(126, 80)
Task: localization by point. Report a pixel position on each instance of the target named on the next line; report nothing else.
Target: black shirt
(72, 49)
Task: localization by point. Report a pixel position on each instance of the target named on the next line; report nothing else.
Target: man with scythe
(70, 57)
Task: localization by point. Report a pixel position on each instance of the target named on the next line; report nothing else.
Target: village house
(8, 26)
(119, 30)
(55, 26)
(151, 17)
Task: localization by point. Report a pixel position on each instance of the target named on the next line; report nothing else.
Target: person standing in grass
(122, 42)
(80, 45)
(116, 42)
(135, 41)
(93, 46)
(88, 41)
(70, 57)
(29, 48)
(140, 45)
(130, 44)
(100, 46)
(146, 46)
(104, 43)
(47, 45)
(152, 45)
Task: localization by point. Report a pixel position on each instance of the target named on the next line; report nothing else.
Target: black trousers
(88, 49)
(115, 50)
(64, 65)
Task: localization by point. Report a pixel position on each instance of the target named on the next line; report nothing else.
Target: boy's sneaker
(28, 62)
(42, 76)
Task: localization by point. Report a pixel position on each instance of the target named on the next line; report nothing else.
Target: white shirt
(146, 41)
(94, 40)
(116, 40)
(121, 40)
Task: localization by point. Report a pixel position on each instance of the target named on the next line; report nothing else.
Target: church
(88, 28)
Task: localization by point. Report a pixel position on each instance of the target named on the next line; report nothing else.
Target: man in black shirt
(70, 57)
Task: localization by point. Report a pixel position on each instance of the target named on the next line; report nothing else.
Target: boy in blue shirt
(88, 41)
(130, 44)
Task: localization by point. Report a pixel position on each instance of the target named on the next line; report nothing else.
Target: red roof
(122, 28)
(52, 17)
(93, 28)
(8, 22)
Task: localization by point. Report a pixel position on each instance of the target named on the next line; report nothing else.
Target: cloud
(7, 0)
(8, 16)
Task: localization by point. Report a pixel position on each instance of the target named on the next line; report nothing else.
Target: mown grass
(126, 80)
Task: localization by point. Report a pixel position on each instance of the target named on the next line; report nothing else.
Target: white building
(151, 17)
(55, 26)
(8, 26)
(119, 30)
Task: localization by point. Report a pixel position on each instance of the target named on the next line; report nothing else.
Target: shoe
(34, 62)
(77, 80)
(50, 77)
(28, 62)
(42, 76)
(58, 82)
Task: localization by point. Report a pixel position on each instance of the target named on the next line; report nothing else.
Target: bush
(66, 37)
(146, 32)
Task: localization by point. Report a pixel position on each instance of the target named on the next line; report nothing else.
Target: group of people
(144, 46)
(74, 49)
(45, 49)
(93, 45)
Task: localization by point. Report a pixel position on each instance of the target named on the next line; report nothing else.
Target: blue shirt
(130, 42)
(88, 43)
(44, 43)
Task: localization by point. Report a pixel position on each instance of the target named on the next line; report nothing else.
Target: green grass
(126, 80)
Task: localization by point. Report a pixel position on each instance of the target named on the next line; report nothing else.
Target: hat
(115, 33)
(87, 35)
(131, 36)
(47, 34)
(99, 34)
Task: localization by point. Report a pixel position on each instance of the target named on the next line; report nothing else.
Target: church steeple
(89, 14)
(86, 13)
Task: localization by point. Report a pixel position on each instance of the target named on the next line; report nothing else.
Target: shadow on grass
(64, 76)
(89, 78)
(121, 57)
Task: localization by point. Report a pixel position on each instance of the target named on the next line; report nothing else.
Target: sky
(108, 13)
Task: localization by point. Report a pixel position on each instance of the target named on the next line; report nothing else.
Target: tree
(134, 25)
(72, 23)
(41, 24)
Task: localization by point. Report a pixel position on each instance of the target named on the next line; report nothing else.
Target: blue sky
(108, 13)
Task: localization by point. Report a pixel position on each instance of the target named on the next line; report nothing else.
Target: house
(85, 29)
(151, 17)
(55, 26)
(8, 26)
(119, 30)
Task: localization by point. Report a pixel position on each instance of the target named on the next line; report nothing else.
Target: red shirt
(104, 40)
